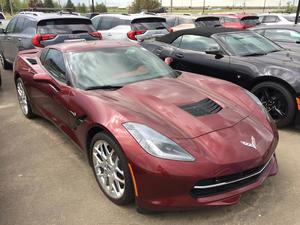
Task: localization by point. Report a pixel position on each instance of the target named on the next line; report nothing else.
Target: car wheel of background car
(6, 65)
(278, 101)
(110, 169)
(23, 99)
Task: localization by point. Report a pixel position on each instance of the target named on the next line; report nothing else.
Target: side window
(198, 43)
(270, 19)
(29, 26)
(106, 23)
(19, 25)
(282, 35)
(54, 62)
(177, 41)
(11, 26)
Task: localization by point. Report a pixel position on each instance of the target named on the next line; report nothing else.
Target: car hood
(161, 105)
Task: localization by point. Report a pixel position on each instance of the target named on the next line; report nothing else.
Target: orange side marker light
(133, 180)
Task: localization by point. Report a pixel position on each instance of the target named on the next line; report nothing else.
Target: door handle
(179, 55)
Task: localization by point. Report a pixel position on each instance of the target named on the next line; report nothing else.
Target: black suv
(29, 30)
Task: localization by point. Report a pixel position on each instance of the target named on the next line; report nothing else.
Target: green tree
(140, 5)
(70, 5)
(35, 3)
(81, 8)
(100, 8)
(48, 4)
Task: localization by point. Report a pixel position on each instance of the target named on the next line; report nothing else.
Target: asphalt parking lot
(44, 179)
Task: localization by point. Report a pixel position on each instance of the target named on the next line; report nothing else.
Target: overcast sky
(123, 3)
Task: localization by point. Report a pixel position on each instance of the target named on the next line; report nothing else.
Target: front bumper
(174, 193)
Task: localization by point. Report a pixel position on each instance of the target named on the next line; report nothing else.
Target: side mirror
(45, 78)
(216, 52)
(168, 60)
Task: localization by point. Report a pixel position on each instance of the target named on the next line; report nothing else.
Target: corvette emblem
(250, 145)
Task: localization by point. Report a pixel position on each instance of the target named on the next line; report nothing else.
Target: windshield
(116, 67)
(250, 20)
(248, 43)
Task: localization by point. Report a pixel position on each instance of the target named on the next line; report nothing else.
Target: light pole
(11, 8)
(264, 5)
(171, 6)
(203, 9)
(297, 14)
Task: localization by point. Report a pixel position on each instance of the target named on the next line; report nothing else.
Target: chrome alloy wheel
(22, 97)
(108, 169)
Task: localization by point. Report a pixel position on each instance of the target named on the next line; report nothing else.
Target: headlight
(258, 102)
(156, 144)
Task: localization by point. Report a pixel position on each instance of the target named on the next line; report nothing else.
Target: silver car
(132, 27)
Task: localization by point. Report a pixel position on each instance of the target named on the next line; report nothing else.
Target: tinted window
(54, 63)
(149, 24)
(250, 21)
(96, 21)
(177, 41)
(106, 23)
(208, 22)
(182, 20)
(282, 35)
(231, 20)
(19, 25)
(270, 19)
(198, 43)
(10, 27)
(65, 26)
(29, 26)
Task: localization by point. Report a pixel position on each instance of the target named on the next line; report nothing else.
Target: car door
(52, 98)
(8, 40)
(191, 55)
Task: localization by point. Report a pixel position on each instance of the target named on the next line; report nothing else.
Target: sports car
(170, 140)
(242, 57)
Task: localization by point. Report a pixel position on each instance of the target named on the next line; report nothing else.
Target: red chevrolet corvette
(168, 139)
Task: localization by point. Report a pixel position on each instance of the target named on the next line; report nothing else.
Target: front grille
(203, 107)
(227, 183)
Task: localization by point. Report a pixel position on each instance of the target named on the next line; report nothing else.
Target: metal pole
(11, 8)
(297, 14)
(93, 6)
(264, 6)
(203, 9)
(171, 6)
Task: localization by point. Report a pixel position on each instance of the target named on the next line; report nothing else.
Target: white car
(276, 18)
(132, 27)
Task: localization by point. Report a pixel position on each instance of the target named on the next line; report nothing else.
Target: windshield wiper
(104, 87)
(255, 54)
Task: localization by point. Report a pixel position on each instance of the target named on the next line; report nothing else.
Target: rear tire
(278, 100)
(110, 168)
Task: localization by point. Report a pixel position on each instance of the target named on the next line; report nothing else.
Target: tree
(81, 8)
(140, 5)
(70, 5)
(48, 4)
(35, 4)
(100, 8)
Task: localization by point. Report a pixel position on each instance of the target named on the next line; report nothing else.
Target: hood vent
(204, 107)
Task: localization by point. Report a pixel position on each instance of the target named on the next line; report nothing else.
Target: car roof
(82, 46)
(44, 16)
(200, 31)
(130, 16)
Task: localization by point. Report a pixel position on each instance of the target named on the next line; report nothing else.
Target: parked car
(242, 57)
(180, 22)
(277, 19)
(146, 128)
(238, 21)
(287, 36)
(3, 20)
(132, 27)
(29, 30)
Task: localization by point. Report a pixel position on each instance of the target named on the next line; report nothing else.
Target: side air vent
(32, 61)
(204, 107)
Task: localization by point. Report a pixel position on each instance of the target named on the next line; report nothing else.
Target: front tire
(278, 101)
(23, 99)
(111, 169)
